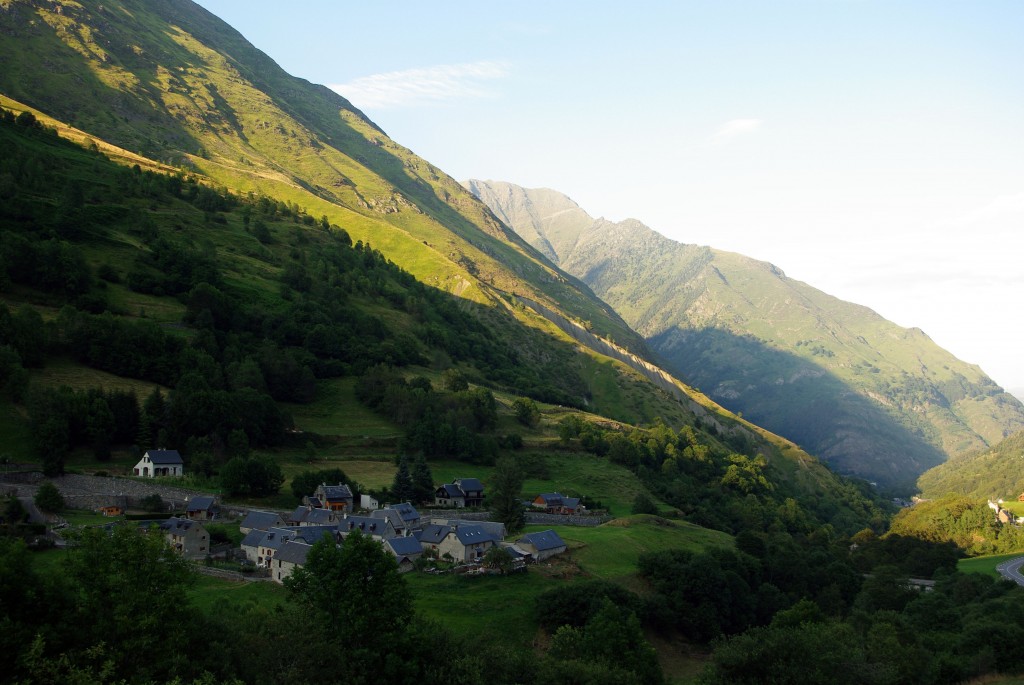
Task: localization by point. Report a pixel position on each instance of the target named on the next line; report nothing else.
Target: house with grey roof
(187, 538)
(202, 508)
(462, 492)
(406, 550)
(403, 517)
(156, 463)
(251, 545)
(463, 543)
(495, 528)
(272, 542)
(292, 555)
(557, 503)
(311, 516)
(377, 528)
(542, 545)
(334, 497)
(261, 520)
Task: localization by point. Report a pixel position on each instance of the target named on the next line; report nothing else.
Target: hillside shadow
(802, 401)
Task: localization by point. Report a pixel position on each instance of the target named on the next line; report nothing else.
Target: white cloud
(733, 129)
(423, 86)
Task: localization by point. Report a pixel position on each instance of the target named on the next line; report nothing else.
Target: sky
(871, 148)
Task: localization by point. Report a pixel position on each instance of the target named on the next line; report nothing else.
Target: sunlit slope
(872, 398)
(172, 82)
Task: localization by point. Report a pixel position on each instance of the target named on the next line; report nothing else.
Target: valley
(203, 254)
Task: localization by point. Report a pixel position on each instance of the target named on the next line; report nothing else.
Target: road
(1011, 570)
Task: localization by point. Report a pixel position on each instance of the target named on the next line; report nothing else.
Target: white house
(160, 463)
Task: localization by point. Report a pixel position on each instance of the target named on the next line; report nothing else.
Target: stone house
(406, 550)
(463, 492)
(463, 543)
(156, 463)
(202, 508)
(333, 497)
(379, 529)
(187, 538)
(260, 520)
(290, 557)
(309, 515)
(403, 517)
(542, 545)
(556, 503)
(271, 542)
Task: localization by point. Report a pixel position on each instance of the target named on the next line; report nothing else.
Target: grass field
(338, 412)
(208, 592)
(986, 565)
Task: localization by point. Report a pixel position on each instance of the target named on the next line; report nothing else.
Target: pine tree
(505, 500)
(422, 481)
(402, 488)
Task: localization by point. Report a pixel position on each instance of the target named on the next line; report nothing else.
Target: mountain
(871, 398)
(263, 253)
(173, 83)
(994, 473)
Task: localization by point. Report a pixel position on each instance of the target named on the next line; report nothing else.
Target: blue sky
(872, 148)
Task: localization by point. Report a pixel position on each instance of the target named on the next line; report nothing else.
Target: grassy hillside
(871, 398)
(174, 83)
(995, 473)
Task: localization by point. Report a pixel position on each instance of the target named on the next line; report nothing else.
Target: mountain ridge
(774, 348)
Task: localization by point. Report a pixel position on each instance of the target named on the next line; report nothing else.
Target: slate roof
(313, 534)
(434, 534)
(164, 456)
(320, 517)
(471, 534)
(333, 493)
(277, 537)
(406, 511)
(389, 515)
(404, 546)
(571, 502)
(452, 490)
(177, 525)
(544, 540)
(494, 528)
(264, 520)
(468, 484)
(313, 517)
(364, 524)
(293, 552)
(201, 503)
(551, 499)
(253, 538)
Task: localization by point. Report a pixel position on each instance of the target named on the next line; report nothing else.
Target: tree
(454, 380)
(352, 598)
(505, 499)
(14, 511)
(131, 590)
(643, 504)
(49, 499)
(422, 480)
(402, 488)
(526, 411)
(257, 476)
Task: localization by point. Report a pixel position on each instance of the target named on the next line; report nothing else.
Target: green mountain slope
(174, 83)
(869, 397)
(996, 473)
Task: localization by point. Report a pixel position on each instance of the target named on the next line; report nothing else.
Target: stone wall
(563, 520)
(93, 492)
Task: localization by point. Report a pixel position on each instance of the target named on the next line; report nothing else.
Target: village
(455, 535)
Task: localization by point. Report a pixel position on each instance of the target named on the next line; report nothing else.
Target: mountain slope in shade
(872, 398)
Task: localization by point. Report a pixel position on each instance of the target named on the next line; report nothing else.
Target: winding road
(1011, 570)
